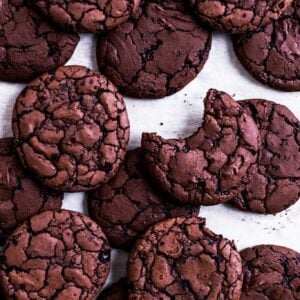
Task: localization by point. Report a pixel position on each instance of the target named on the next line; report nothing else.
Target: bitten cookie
(157, 54)
(208, 167)
(181, 259)
(270, 272)
(20, 196)
(71, 129)
(29, 46)
(238, 16)
(128, 205)
(117, 291)
(87, 16)
(273, 183)
(271, 55)
(55, 255)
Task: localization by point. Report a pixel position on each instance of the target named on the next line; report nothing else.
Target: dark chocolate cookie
(206, 168)
(270, 273)
(128, 205)
(156, 55)
(29, 46)
(87, 16)
(20, 196)
(272, 55)
(117, 291)
(273, 183)
(55, 255)
(238, 16)
(181, 259)
(71, 128)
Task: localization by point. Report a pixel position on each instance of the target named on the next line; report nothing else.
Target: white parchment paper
(179, 116)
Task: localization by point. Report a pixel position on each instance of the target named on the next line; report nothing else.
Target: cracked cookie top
(117, 291)
(87, 16)
(29, 46)
(270, 272)
(206, 168)
(157, 54)
(182, 259)
(273, 183)
(271, 55)
(71, 128)
(20, 196)
(128, 205)
(55, 255)
(238, 16)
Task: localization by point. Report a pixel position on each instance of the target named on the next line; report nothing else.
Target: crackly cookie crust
(55, 255)
(273, 183)
(238, 16)
(87, 16)
(270, 272)
(129, 204)
(29, 46)
(181, 259)
(156, 54)
(206, 168)
(271, 55)
(71, 128)
(20, 196)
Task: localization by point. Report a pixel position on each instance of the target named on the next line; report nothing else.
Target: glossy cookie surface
(129, 204)
(71, 129)
(271, 55)
(87, 16)
(238, 16)
(156, 54)
(180, 258)
(21, 196)
(30, 46)
(55, 255)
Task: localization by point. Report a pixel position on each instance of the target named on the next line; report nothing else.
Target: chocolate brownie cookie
(182, 259)
(128, 205)
(270, 273)
(206, 168)
(118, 291)
(29, 46)
(271, 55)
(20, 196)
(273, 183)
(55, 255)
(238, 16)
(71, 128)
(87, 16)
(156, 55)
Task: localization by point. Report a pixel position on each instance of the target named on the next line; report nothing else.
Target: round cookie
(29, 46)
(87, 16)
(55, 255)
(117, 291)
(128, 205)
(71, 129)
(271, 55)
(238, 16)
(273, 183)
(20, 196)
(206, 168)
(156, 55)
(181, 259)
(270, 273)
